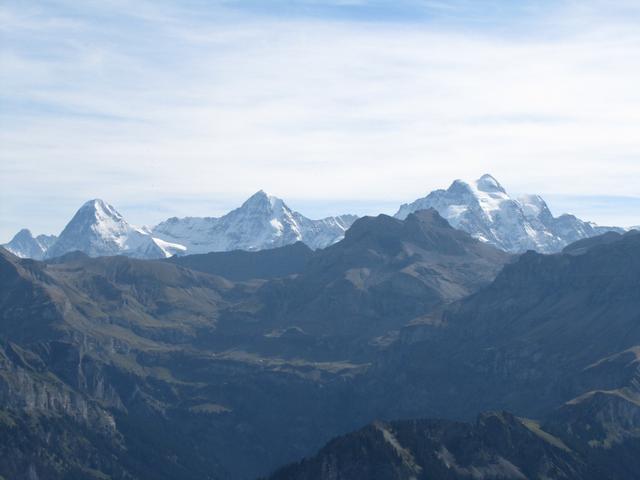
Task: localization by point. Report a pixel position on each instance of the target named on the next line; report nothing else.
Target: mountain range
(25, 245)
(262, 222)
(553, 337)
(97, 229)
(232, 364)
(482, 208)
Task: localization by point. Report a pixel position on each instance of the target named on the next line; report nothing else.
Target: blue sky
(186, 108)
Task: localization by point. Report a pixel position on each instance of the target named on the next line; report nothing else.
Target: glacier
(484, 209)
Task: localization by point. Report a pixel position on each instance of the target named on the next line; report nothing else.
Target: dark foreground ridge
(496, 445)
(594, 436)
(189, 369)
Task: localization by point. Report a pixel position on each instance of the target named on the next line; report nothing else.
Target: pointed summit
(488, 183)
(261, 222)
(22, 235)
(100, 210)
(259, 196)
(534, 207)
(98, 216)
(460, 187)
(94, 203)
(24, 245)
(98, 229)
(263, 201)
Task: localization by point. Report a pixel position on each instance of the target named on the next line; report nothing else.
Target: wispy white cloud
(143, 103)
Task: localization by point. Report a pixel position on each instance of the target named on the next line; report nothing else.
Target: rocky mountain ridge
(482, 208)
(555, 337)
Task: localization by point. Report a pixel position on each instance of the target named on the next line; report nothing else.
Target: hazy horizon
(150, 215)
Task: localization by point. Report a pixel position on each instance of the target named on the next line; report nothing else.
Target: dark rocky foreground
(122, 368)
(596, 438)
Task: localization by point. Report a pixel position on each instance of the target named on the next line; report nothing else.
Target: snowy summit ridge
(262, 221)
(485, 210)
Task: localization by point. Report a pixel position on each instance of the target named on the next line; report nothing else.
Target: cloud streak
(144, 103)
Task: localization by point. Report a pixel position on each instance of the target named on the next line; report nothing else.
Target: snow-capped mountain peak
(534, 206)
(487, 183)
(101, 209)
(98, 229)
(104, 220)
(97, 212)
(25, 245)
(489, 194)
(261, 200)
(23, 235)
(262, 221)
(484, 209)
